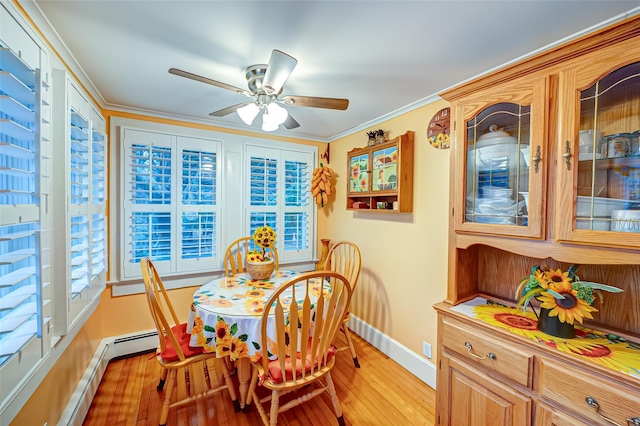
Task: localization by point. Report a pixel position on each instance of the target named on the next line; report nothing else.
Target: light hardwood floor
(379, 393)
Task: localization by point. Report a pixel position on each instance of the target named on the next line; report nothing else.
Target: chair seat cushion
(183, 338)
(275, 373)
(180, 330)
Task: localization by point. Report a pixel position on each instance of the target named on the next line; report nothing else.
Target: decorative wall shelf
(381, 176)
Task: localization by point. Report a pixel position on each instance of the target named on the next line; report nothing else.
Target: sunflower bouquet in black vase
(561, 293)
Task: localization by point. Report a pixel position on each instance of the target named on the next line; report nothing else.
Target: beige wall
(404, 255)
(403, 270)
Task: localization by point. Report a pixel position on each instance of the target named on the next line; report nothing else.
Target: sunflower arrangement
(264, 237)
(562, 293)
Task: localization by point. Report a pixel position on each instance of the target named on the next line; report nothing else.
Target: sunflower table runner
(594, 346)
(227, 311)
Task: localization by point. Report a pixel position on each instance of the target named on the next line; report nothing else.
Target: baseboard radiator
(108, 349)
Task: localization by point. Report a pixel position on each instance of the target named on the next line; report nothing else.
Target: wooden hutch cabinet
(381, 176)
(545, 171)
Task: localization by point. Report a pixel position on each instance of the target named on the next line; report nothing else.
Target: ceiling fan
(266, 82)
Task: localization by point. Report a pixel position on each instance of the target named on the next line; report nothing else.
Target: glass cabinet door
(606, 150)
(359, 173)
(385, 169)
(498, 147)
(503, 151)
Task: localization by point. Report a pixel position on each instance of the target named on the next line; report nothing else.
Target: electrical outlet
(426, 349)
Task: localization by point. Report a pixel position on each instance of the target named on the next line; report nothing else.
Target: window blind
(278, 196)
(171, 202)
(20, 301)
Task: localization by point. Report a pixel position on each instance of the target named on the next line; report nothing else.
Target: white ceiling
(384, 56)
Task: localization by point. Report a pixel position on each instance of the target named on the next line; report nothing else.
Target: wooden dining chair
(174, 354)
(298, 326)
(344, 258)
(236, 255)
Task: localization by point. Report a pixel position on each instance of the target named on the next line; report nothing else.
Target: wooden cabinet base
(489, 376)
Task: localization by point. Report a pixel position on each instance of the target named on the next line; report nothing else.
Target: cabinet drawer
(488, 352)
(570, 387)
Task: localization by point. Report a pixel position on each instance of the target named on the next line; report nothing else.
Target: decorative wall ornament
(439, 129)
(322, 184)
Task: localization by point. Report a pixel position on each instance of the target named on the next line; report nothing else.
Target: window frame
(281, 209)
(230, 193)
(177, 145)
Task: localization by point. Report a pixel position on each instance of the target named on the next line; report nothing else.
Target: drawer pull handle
(593, 403)
(633, 421)
(490, 355)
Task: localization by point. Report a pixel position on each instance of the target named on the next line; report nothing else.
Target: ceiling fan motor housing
(255, 75)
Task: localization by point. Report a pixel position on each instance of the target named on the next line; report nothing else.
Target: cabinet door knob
(536, 159)
(490, 355)
(567, 155)
(593, 403)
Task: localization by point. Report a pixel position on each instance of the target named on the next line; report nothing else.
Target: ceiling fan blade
(314, 102)
(290, 123)
(228, 110)
(278, 71)
(206, 80)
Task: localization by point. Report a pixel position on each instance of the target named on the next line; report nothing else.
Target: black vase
(553, 326)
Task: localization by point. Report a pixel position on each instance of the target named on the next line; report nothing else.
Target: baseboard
(80, 401)
(114, 347)
(108, 349)
(412, 362)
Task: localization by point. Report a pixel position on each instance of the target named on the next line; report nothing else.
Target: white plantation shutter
(19, 245)
(263, 190)
(147, 200)
(25, 166)
(198, 206)
(170, 202)
(278, 196)
(79, 168)
(19, 248)
(296, 227)
(98, 241)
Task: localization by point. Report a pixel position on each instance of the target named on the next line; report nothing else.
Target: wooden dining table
(226, 319)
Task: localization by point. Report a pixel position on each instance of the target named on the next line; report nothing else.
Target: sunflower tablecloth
(226, 314)
(594, 346)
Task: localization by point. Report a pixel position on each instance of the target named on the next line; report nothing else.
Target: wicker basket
(260, 270)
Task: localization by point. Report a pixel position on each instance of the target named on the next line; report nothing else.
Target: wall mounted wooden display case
(381, 176)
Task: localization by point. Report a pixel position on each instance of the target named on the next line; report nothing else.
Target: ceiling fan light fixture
(265, 82)
(248, 113)
(267, 125)
(276, 113)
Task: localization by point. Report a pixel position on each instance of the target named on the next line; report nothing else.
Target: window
(182, 195)
(278, 196)
(79, 207)
(171, 208)
(25, 164)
